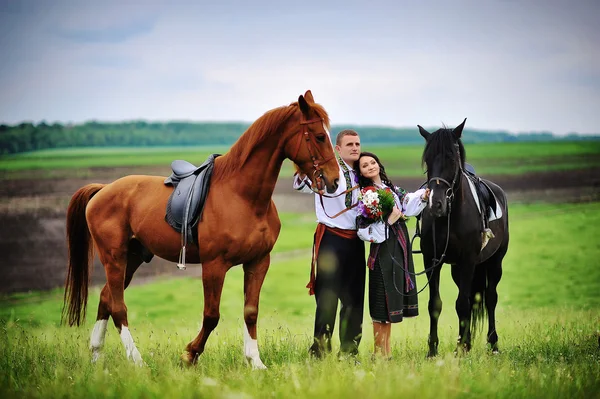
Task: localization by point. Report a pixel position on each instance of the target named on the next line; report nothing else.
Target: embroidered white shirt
(333, 206)
(412, 205)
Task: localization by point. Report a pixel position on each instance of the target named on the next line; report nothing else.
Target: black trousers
(340, 277)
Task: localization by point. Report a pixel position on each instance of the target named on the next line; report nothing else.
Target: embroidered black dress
(392, 283)
(392, 291)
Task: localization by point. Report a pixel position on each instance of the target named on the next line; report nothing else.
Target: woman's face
(369, 167)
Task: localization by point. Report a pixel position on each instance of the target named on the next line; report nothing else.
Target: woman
(392, 291)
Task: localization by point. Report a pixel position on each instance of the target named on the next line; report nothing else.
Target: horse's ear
(309, 97)
(304, 106)
(458, 129)
(424, 132)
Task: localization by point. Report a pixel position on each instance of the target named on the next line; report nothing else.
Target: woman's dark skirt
(389, 300)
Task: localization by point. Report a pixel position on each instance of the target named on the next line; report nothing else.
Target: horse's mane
(441, 142)
(270, 123)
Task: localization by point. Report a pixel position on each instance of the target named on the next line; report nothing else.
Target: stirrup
(181, 263)
(486, 235)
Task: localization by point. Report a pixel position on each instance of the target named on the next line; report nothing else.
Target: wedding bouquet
(375, 204)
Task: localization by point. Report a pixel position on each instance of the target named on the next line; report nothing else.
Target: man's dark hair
(363, 181)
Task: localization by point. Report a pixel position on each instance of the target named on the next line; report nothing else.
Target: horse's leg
(254, 275)
(463, 303)
(213, 276)
(455, 271)
(435, 309)
(112, 244)
(494, 273)
(456, 277)
(99, 331)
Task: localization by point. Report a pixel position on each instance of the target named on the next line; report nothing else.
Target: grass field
(548, 322)
(400, 160)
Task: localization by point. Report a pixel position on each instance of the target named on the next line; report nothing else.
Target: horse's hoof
(258, 366)
(495, 351)
(95, 357)
(187, 359)
(462, 350)
(256, 363)
(137, 359)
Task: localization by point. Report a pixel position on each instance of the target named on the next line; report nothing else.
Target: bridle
(449, 199)
(317, 162)
(313, 149)
(452, 187)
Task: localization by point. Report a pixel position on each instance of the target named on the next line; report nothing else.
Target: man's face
(349, 149)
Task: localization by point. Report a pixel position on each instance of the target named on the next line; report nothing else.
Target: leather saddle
(191, 184)
(485, 195)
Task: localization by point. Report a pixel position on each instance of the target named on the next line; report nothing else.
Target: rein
(449, 199)
(321, 195)
(436, 263)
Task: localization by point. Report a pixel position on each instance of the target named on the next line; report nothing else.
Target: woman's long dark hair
(364, 181)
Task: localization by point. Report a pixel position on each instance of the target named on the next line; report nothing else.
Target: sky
(518, 66)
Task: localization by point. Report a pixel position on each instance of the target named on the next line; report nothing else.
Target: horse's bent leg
(115, 264)
(213, 276)
(435, 309)
(99, 331)
(104, 307)
(494, 270)
(254, 275)
(463, 304)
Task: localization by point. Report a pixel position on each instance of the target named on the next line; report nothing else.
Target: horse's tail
(81, 252)
(478, 309)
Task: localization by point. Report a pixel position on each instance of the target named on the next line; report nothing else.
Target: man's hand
(300, 176)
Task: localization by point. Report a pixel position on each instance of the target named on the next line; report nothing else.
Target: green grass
(548, 319)
(76, 158)
(400, 160)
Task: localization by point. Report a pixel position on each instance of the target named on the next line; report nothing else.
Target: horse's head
(309, 145)
(444, 157)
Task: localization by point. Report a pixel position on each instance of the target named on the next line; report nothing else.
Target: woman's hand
(395, 215)
(425, 196)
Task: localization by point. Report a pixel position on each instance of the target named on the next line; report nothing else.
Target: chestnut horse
(126, 218)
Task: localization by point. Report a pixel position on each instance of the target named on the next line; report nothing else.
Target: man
(339, 255)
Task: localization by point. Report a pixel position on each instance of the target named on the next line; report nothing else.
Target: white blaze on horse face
(328, 134)
(97, 339)
(430, 198)
(130, 348)
(251, 351)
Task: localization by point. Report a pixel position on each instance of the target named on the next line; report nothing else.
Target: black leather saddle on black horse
(184, 208)
(485, 195)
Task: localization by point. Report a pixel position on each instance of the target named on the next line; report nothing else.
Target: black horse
(453, 231)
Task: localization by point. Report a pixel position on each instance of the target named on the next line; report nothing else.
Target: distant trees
(27, 136)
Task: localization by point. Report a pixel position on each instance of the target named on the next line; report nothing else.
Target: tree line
(25, 137)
